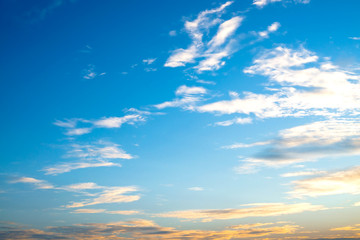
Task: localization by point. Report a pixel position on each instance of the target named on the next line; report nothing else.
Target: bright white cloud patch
(303, 173)
(342, 182)
(272, 28)
(196, 189)
(211, 52)
(187, 97)
(322, 89)
(262, 3)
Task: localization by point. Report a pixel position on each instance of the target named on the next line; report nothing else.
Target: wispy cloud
(246, 145)
(38, 184)
(149, 61)
(250, 210)
(96, 194)
(73, 127)
(211, 52)
(85, 210)
(196, 189)
(303, 173)
(341, 182)
(38, 13)
(355, 227)
(262, 3)
(109, 195)
(354, 38)
(98, 154)
(187, 97)
(309, 142)
(90, 73)
(234, 121)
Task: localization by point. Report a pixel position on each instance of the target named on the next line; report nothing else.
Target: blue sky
(180, 119)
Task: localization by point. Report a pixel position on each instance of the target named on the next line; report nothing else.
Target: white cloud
(309, 142)
(341, 182)
(211, 52)
(98, 194)
(187, 97)
(117, 122)
(262, 3)
(172, 33)
(73, 129)
(109, 195)
(354, 38)
(68, 167)
(149, 61)
(181, 57)
(301, 90)
(185, 90)
(38, 184)
(225, 30)
(196, 189)
(234, 121)
(303, 173)
(89, 72)
(272, 28)
(88, 156)
(206, 82)
(247, 145)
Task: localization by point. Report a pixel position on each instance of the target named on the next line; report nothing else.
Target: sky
(200, 119)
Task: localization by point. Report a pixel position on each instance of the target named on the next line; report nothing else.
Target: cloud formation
(90, 73)
(212, 51)
(262, 3)
(98, 154)
(144, 229)
(322, 89)
(250, 210)
(96, 194)
(123, 212)
(341, 182)
(187, 98)
(272, 28)
(309, 142)
(38, 184)
(109, 195)
(73, 129)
